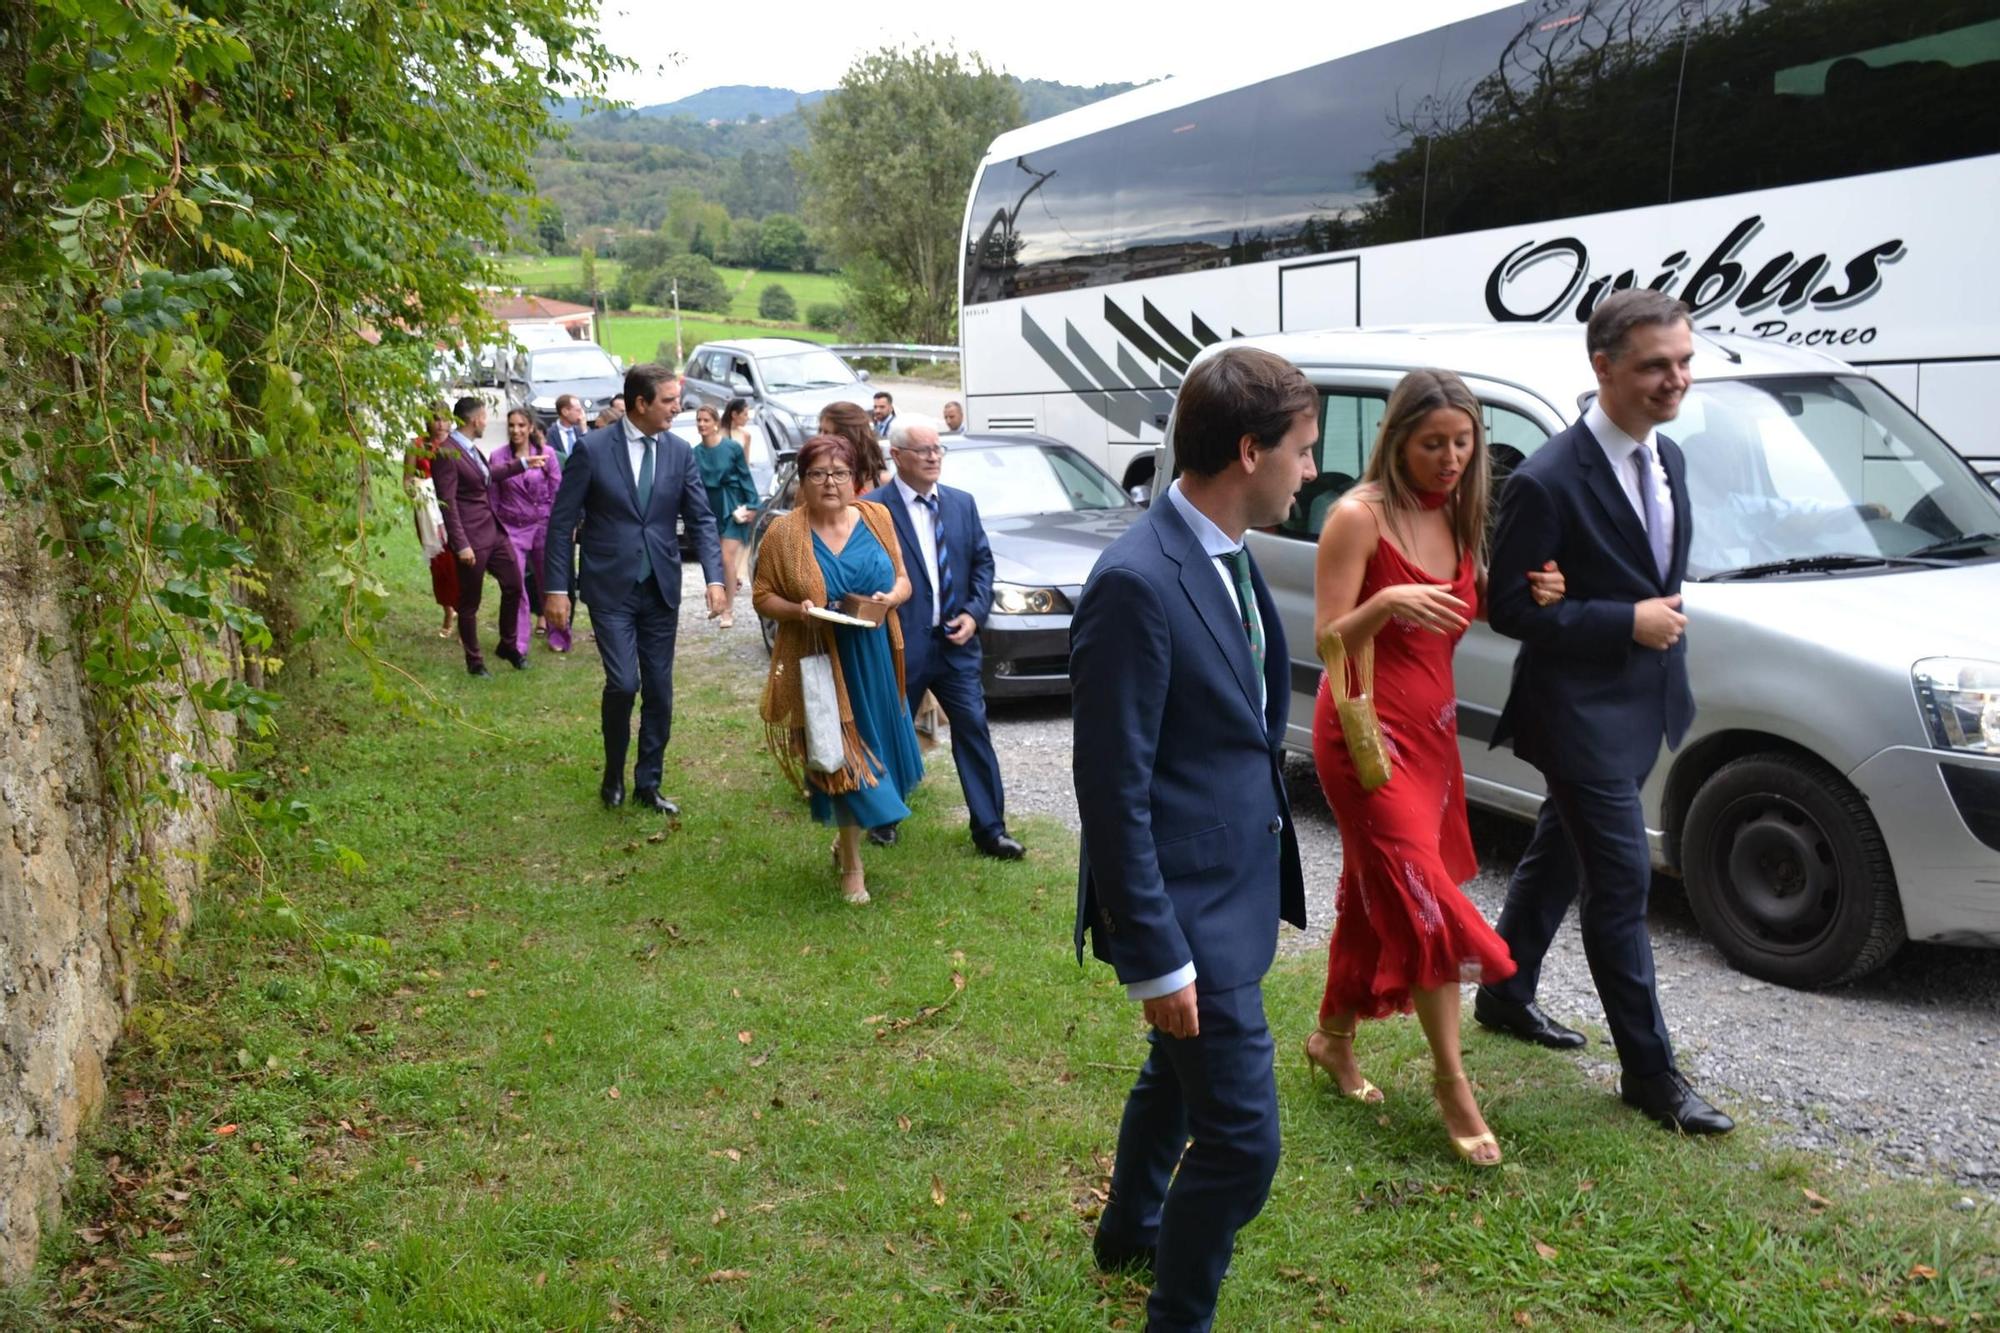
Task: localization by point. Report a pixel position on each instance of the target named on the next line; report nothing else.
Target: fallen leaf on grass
(612, 1093)
(171, 1256)
(475, 993)
(718, 1217)
(728, 1275)
(223, 1131)
(903, 1123)
(889, 1246)
(92, 1235)
(1817, 1200)
(1548, 1252)
(757, 1061)
(937, 1191)
(746, 1036)
(1524, 1319)
(1922, 1272)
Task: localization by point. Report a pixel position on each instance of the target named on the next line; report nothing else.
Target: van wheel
(1788, 874)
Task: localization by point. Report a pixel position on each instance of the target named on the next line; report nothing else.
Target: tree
(826, 316)
(588, 274)
(549, 226)
(776, 303)
(781, 243)
(701, 287)
(908, 126)
(695, 225)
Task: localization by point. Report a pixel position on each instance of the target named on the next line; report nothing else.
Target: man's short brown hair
(1238, 391)
(1619, 313)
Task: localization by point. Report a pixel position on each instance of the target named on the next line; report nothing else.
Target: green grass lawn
(638, 337)
(532, 271)
(746, 286)
(622, 1072)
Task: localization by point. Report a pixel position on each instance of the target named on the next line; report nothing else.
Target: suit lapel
(1675, 463)
(1201, 580)
(906, 533)
(1611, 495)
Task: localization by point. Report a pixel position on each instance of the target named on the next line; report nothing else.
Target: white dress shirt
(926, 529)
(1215, 542)
(1618, 448)
(635, 449)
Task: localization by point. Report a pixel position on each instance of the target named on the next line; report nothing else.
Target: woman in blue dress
(830, 548)
(732, 497)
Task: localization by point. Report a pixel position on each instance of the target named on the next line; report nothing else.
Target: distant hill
(734, 104)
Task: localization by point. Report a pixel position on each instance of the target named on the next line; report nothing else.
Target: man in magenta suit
(465, 492)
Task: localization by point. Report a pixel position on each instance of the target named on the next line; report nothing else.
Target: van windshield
(573, 363)
(1815, 466)
(804, 370)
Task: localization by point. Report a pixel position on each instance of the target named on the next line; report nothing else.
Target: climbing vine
(232, 235)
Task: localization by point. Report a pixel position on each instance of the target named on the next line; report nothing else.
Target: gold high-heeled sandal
(853, 885)
(1367, 1092)
(1467, 1147)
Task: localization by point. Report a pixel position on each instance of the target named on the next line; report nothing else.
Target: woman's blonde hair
(1416, 396)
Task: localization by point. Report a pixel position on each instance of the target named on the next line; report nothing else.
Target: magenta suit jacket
(465, 495)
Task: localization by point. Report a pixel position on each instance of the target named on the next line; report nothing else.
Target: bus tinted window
(1160, 195)
(1545, 112)
(1784, 93)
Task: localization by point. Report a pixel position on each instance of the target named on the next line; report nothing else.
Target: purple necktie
(1649, 502)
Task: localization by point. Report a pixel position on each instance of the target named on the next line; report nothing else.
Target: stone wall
(65, 864)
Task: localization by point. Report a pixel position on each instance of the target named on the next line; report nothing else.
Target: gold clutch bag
(1358, 722)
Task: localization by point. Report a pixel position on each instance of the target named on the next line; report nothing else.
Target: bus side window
(1510, 438)
(1348, 422)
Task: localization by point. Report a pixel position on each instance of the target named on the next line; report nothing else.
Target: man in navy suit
(464, 491)
(951, 582)
(1600, 681)
(1181, 686)
(627, 482)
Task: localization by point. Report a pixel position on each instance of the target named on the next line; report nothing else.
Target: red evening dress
(1400, 921)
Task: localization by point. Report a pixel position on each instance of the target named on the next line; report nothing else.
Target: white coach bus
(1822, 173)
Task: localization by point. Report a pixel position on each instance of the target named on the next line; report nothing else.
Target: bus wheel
(1787, 872)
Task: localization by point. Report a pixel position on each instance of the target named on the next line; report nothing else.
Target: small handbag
(1366, 744)
(825, 750)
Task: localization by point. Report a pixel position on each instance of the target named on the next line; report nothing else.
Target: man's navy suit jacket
(971, 576)
(1189, 854)
(1587, 702)
(599, 489)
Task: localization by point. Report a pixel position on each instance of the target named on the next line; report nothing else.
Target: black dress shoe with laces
(1002, 846)
(612, 793)
(1524, 1021)
(1668, 1099)
(883, 837)
(479, 671)
(1112, 1257)
(649, 798)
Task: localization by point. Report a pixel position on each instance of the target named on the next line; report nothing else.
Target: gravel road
(1900, 1071)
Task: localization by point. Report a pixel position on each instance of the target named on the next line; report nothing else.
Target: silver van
(1840, 790)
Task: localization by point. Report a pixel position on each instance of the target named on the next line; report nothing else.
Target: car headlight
(1015, 599)
(543, 404)
(1961, 702)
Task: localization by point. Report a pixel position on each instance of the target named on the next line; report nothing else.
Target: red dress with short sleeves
(1400, 921)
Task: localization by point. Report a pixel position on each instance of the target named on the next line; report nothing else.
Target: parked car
(790, 379)
(581, 368)
(1049, 512)
(1840, 790)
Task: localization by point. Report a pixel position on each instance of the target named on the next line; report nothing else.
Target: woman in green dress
(732, 497)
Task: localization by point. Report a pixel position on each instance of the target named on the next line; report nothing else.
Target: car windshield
(573, 363)
(1014, 480)
(804, 370)
(1806, 467)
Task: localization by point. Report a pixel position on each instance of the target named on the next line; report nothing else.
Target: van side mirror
(1142, 495)
(861, 375)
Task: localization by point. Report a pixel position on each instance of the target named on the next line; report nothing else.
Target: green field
(637, 337)
(746, 285)
(617, 1071)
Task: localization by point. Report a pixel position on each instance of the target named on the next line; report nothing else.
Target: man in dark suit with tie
(464, 491)
(1600, 681)
(951, 582)
(568, 427)
(1182, 683)
(627, 483)
(883, 417)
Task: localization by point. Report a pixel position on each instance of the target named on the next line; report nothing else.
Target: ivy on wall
(232, 235)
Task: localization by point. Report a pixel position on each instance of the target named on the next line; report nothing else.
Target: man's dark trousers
(496, 559)
(1218, 1089)
(953, 674)
(1590, 845)
(635, 641)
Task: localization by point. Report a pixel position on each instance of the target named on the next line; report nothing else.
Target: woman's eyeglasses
(819, 476)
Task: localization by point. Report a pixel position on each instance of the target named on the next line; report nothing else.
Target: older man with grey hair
(951, 581)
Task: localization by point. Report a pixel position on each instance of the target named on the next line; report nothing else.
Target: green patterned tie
(1253, 624)
(640, 493)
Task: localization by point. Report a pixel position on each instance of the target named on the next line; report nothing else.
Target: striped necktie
(1253, 624)
(641, 493)
(944, 589)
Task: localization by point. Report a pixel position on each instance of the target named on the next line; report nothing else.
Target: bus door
(1320, 294)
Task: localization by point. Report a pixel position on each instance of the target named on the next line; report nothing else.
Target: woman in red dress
(1401, 565)
(417, 463)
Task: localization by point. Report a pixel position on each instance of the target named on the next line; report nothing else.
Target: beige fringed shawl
(787, 568)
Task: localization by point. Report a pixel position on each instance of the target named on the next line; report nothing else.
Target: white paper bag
(430, 518)
(825, 752)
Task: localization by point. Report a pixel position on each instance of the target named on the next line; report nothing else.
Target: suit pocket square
(1193, 853)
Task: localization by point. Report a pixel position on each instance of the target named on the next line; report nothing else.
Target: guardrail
(896, 352)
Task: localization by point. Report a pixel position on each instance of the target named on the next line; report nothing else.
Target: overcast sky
(807, 44)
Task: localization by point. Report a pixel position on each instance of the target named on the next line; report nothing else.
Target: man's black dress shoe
(479, 671)
(884, 836)
(1525, 1021)
(1001, 847)
(1668, 1099)
(612, 793)
(649, 798)
(1121, 1258)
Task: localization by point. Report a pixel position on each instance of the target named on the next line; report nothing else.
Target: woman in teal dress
(830, 548)
(732, 497)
